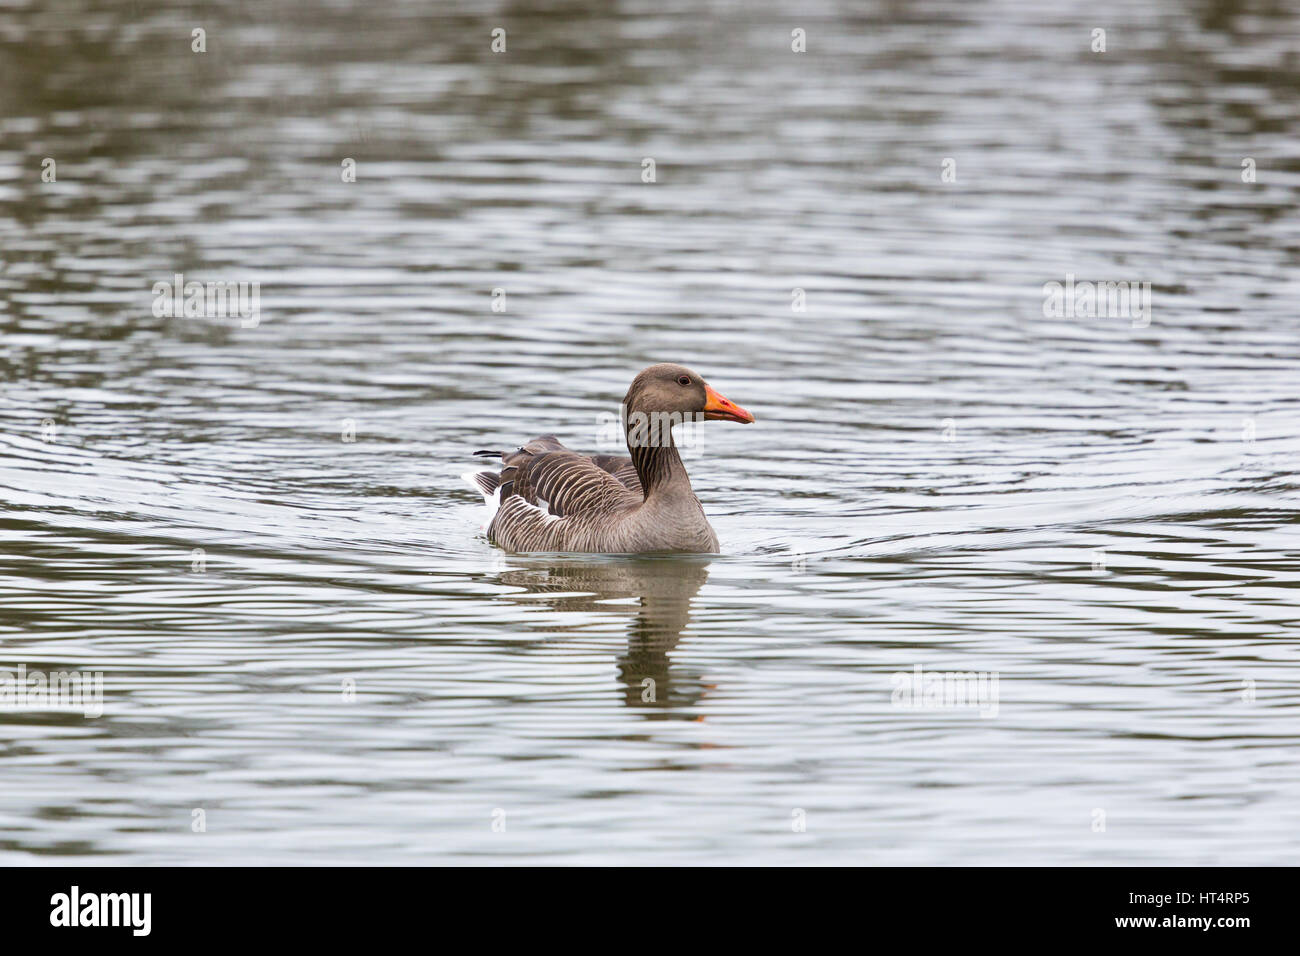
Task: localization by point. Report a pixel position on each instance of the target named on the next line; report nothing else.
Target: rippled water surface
(307, 638)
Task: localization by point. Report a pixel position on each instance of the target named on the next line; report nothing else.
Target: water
(1100, 511)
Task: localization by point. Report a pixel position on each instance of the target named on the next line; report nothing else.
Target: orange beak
(717, 407)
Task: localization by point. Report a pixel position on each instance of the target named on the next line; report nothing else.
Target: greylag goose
(548, 498)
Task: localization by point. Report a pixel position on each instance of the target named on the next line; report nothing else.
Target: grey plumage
(549, 498)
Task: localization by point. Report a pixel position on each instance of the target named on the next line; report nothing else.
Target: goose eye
(683, 380)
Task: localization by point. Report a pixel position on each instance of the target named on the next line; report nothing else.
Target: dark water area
(257, 532)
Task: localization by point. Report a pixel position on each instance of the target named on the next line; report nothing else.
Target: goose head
(674, 389)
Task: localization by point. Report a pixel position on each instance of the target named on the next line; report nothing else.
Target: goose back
(550, 498)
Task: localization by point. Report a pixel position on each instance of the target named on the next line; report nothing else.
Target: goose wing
(547, 496)
(621, 467)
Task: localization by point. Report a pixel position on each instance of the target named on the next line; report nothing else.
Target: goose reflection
(662, 589)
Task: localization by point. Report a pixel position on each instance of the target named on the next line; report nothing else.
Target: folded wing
(550, 498)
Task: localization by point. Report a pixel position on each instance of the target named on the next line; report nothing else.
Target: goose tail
(484, 482)
(488, 484)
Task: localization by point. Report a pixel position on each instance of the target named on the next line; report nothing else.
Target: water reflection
(662, 589)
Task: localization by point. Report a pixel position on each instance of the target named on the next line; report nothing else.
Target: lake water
(258, 535)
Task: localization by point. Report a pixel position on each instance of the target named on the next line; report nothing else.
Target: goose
(548, 498)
